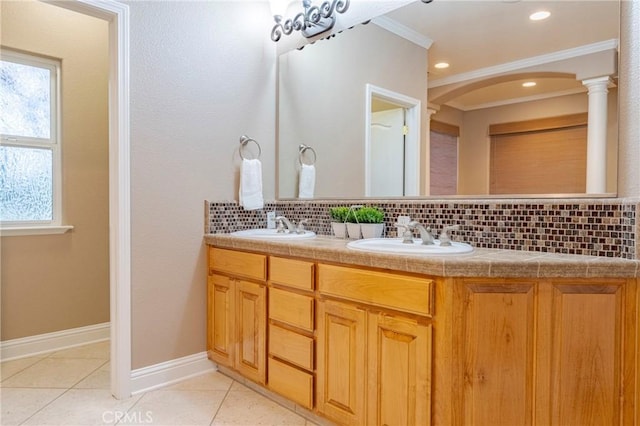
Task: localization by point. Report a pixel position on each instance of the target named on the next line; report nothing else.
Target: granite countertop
(480, 263)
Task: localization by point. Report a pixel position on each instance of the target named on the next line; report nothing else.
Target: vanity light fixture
(540, 15)
(529, 84)
(313, 21)
(441, 65)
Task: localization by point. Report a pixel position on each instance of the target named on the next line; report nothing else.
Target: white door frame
(117, 15)
(412, 147)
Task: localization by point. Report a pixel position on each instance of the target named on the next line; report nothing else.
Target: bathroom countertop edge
(481, 262)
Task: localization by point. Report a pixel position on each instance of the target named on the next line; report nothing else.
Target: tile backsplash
(596, 227)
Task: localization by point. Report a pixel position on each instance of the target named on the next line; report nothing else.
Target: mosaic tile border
(607, 228)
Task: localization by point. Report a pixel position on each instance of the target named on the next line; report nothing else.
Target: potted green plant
(353, 225)
(338, 220)
(371, 221)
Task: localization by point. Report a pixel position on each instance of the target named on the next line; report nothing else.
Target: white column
(426, 181)
(597, 135)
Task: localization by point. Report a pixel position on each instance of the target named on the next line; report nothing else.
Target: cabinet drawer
(291, 346)
(294, 273)
(248, 265)
(291, 383)
(291, 308)
(404, 293)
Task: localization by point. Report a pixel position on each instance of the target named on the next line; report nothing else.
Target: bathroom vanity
(491, 337)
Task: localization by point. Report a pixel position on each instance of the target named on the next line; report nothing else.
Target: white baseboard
(51, 342)
(165, 373)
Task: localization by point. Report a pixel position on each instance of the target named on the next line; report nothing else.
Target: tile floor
(71, 387)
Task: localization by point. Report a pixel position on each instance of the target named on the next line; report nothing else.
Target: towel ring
(302, 148)
(244, 140)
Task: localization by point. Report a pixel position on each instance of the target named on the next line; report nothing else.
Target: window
(443, 146)
(539, 156)
(30, 175)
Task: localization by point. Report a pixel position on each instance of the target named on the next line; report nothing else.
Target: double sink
(375, 245)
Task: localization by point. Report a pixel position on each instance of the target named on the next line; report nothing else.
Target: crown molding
(407, 33)
(538, 97)
(560, 55)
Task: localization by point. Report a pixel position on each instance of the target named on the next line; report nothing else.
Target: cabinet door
(341, 362)
(221, 318)
(251, 330)
(494, 380)
(583, 362)
(400, 365)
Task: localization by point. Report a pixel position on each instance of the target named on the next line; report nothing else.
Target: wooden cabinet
(291, 329)
(221, 313)
(341, 355)
(374, 366)
(251, 330)
(236, 335)
(583, 358)
(406, 293)
(547, 352)
(293, 309)
(399, 370)
(364, 346)
(238, 264)
(293, 383)
(292, 273)
(291, 346)
(494, 373)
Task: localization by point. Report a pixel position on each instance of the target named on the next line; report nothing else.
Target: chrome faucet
(445, 240)
(425, 233)
(407, 235)
(300, 227)
(283, 220)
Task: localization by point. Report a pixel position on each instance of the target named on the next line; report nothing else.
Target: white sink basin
(272, 234)
(395, 245)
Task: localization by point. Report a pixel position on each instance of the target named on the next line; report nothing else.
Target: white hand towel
(307, 181)
(250, 194)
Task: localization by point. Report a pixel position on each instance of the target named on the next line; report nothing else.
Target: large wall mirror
(524, 108)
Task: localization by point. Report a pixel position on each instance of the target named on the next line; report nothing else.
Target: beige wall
(474, 142)
(202, 74)
(57, 282)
